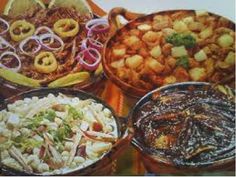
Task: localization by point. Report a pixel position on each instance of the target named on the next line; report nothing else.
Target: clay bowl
(8, 89)
(101, 167)
(159, 164)
(118, 29)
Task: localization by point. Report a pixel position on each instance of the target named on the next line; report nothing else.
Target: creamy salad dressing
(55, 134)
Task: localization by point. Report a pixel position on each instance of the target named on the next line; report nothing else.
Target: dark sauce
(191, 127)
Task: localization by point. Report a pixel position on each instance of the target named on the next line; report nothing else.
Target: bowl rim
(122, 134)
(137, 92)
(159, 159)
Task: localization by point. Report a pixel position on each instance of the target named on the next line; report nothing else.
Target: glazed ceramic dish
(169, 47)
(69, 152)
(186, 128)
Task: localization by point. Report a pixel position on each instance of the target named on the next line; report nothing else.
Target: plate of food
(54, 45)
(168, 47)
(59, 132)
(186, 128)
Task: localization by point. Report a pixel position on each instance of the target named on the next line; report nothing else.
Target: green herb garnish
(26, 142)
(72, 112)
(49, 114)
(37, 119)
(183, 61)
(62, 132)
(181, 39)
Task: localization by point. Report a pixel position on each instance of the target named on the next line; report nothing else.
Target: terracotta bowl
(8, 89)
(117, 29)
(101, 167)
(156, 163)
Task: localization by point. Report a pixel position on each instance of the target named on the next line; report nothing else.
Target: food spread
(61, 45)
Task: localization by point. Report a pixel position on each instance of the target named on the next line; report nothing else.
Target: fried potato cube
(197, 74)
(134, 61)
(180, 26)
(156, 66)
(156, 51)
(225, 40)
(179, 51)
(195, 26)
(119, 52)
(123, 73)
(200, 56)
(168, 31)
(206, 33)
(151, 36)
(188, 20)
(170, 80)
(161, 21)
(200, 13)
(131, 41)
(144, 27)
(118, 64)
(230, 59)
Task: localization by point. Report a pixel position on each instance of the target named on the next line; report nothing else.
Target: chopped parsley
(181, 39)
(183, 61)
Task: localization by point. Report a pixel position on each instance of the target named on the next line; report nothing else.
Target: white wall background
(222, 7)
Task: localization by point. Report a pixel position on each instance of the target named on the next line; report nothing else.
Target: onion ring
(91, 43)
(43, 28)
(4, 44)
(25, 41)
(100, 21)
(5, 23)
(55, 37)
(93, 30)
(91, 55)
(16, 69)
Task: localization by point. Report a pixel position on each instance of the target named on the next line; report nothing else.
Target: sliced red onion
(25, 41)
(92, 26)
(54, 37)
(43, 28)
(46, 29)
(93, 31)
(95, 44)
(7, 26)
(4, 44)
(91, 43)
(93, 22)
(91, 55)
(16, 69)
(84, 45)
(97, 30)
